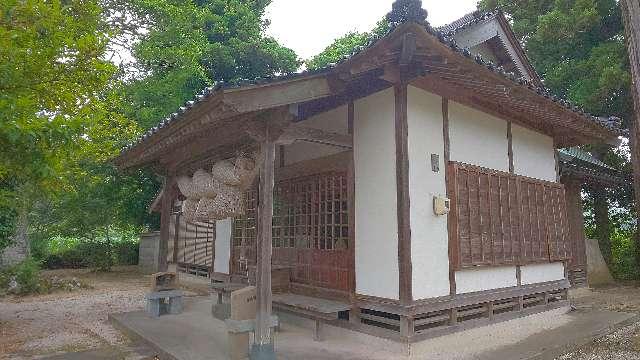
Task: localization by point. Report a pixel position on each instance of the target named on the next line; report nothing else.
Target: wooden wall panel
(505, 219)
(195, 243)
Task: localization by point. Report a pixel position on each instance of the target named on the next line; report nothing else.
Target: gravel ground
(75, 321)
(622, 344)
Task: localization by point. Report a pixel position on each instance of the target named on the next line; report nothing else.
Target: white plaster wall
(485, 278)
(376, 227)
(222, 246)
(533, 154)
(537, 273)
(429, 236)
(477, 138)
(334, 120)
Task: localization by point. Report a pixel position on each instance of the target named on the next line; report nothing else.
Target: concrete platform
(196, 335)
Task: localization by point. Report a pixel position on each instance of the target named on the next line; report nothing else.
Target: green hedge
(98, 255)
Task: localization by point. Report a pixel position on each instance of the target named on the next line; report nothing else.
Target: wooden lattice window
(310, 231)
(312, 213)
(500, 218)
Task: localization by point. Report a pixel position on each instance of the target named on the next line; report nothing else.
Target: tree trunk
(18, 250)
(631, 19)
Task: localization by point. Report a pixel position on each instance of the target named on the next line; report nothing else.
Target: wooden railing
(498, 218)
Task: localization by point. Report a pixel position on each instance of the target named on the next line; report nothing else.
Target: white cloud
(309, 26)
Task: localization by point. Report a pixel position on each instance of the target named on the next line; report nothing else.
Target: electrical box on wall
(441, 205)
(435, 163)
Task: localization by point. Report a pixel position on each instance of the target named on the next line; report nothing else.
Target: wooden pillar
(165, 222)
(451, 194)
(403, 205)
(176, 237)
(354, 314)
(575, 214)
(263, 347)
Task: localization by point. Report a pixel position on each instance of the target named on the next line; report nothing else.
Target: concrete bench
(222, 290)
(319, 310)
(164, 302)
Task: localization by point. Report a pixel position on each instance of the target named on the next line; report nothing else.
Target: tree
(344, 46)
(577, 46)
(193, 44)
(52, 74)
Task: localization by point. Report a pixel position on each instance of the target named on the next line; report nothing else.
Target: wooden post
(263, 346)
(573, 198)
(176, 236)
(402, 184)
(404, 226)
(631, 19)
(165, 223)
(354, 314)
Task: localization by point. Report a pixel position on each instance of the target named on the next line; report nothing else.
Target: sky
(309, 26)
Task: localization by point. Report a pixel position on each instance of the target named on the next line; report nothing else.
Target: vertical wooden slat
(491, 236)
(480, 219)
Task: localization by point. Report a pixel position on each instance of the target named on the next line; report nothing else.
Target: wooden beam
(408, 49)
(402, 190)
(302, 133)
(261, 97)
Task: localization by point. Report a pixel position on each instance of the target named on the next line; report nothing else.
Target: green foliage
(99, 253)
(126, 253)
(192, 44)
(51, 73)
(66, 112)
(344, 46)
(624, 265)
(578, 48)
(27, 276)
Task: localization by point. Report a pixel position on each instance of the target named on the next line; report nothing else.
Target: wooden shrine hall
(415, 181)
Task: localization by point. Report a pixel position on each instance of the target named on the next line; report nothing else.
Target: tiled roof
(466, 21)
(575, 153)
(407, 14)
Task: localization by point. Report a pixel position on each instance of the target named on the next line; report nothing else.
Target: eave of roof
(445, 38)
(477, 17)
(576, 154)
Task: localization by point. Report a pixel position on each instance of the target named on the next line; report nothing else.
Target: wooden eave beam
(258, 98)
(303, 133)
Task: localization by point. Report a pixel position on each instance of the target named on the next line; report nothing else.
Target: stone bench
(319, 310)
(164, 302)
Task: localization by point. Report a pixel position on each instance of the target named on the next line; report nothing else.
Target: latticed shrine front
(310, 232)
